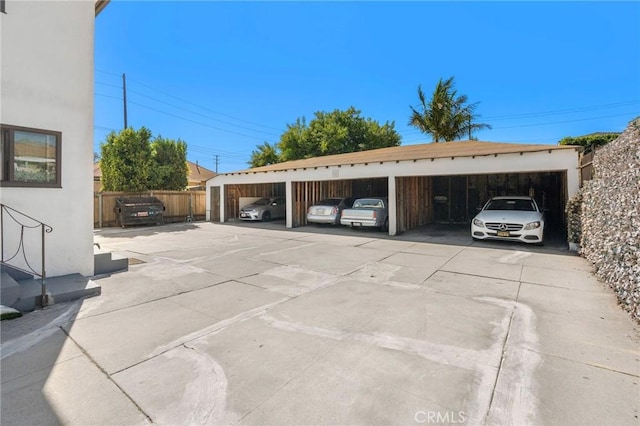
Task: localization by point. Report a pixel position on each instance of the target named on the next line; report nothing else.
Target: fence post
(100, 210)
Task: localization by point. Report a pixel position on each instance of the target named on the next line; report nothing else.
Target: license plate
(356, 223)
(143, 214)
(503, 234)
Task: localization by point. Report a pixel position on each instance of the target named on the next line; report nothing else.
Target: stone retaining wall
(610, 217)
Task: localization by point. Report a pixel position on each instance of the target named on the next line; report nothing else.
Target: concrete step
(59, 289)
(9, 289)
(14, 273)
(106, 263)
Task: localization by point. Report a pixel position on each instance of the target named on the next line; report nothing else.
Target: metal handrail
(19, 218)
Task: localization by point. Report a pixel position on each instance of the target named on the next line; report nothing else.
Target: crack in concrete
(513, 399)
(107, 375)
(502, 356)
(149, 301)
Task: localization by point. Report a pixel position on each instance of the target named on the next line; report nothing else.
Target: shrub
(574, 219)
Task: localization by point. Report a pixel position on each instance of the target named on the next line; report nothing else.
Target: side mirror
(478, 209)
(274, 204)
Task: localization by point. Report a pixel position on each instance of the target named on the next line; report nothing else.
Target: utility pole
(217, 157)
(124, 98)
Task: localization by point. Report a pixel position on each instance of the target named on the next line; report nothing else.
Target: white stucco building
(426, 183)
(47, 90)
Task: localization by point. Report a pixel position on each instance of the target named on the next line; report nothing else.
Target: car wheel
(385, 227)
(266, 217)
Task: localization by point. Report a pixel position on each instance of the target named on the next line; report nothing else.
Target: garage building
(430, 183)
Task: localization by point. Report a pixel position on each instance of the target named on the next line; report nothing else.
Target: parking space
(447, 234)
(247, 323)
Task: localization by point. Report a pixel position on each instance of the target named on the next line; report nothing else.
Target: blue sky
(227, 76)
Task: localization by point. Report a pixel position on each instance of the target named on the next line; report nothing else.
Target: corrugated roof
(411, 152)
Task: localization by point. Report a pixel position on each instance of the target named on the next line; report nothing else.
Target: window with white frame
(30, 157)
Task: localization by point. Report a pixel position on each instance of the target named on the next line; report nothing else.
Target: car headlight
(531, 225)
(478, 222)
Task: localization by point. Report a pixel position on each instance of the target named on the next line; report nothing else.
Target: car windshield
(369, 203)
(262, 202)
(329, 202)
(511, 204)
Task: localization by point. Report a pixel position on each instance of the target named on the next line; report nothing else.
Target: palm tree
(446, 117)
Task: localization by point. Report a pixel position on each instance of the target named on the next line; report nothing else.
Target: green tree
(125, 160)
(446, 116)
(264, 155)
(328, 133)
(168, 166)
(595, 139)
(295, 142)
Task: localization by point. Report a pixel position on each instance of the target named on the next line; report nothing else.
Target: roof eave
(100, 5)
(541, 148)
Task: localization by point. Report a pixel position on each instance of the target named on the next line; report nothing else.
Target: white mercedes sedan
(509, 218)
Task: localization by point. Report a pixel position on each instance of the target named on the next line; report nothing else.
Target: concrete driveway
(253, 324)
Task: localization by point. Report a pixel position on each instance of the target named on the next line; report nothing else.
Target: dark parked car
(328, 210)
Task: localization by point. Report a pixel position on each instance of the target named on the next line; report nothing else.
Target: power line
(108, 96)
(104, 128)
(562, 111)
(117, 86)
(214, 151)
(183, 118)
(568, 121)
(189, 111)
(203, 107)
(195, 122)
(546, 114)
(107, 72)
(202, 115)
(540, 124)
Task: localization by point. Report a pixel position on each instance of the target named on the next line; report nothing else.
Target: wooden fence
(586, 165)
(179, 205)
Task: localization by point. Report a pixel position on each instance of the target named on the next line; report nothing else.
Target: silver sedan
(328, 210)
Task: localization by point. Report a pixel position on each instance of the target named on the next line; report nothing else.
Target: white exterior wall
(556, 160)
(47, 82)
(542, 161)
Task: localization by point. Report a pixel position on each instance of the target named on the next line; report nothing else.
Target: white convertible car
(509, 218)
